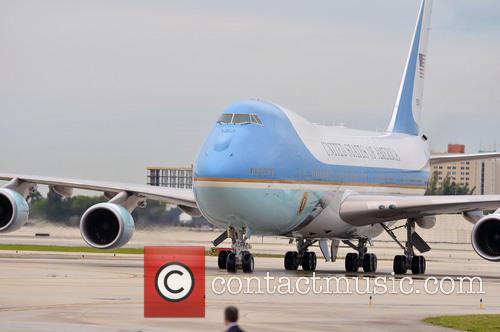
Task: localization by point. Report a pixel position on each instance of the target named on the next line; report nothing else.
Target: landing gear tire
(231, 262)
(247, 262)
(222, 259)
(351, 262)
(369, 263)
(399, 265)
(418, 265)
(291, 260)
(309, 261)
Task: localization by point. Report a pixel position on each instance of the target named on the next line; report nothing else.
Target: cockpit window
(255, 119)
(239, 118)
(225, 118)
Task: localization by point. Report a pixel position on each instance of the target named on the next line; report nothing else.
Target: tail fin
(406, 114)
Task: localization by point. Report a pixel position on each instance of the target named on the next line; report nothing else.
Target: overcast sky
(102, 89)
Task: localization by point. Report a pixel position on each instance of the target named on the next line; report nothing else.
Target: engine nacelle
(14, 210)
(486, 237)
(107, 226)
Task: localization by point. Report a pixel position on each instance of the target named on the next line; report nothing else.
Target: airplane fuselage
(283, 175)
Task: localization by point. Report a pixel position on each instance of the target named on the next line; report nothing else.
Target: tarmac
(104, 292)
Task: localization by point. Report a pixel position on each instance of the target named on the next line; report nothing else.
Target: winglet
(406, 114)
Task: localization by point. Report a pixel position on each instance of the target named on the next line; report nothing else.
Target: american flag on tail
(421, 65)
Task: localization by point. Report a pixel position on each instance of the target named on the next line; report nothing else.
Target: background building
(481, 174)
(173, 177)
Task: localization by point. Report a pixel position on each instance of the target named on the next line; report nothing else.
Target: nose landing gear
(239, 256)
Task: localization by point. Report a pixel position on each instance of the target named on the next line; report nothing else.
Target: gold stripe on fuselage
(325, 183)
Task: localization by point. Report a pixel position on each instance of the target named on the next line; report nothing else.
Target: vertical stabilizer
(406, 114)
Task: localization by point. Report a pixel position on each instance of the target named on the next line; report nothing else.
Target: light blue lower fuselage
(288, 176)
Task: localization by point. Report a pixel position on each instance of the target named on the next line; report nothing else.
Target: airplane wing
(177, 196)
(361, 210)
(462, 156)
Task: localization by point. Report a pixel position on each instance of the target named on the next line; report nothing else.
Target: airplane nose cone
(216, 159)
(223, 141)
(216, 162)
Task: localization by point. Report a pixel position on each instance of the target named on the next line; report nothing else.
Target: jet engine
(486, 237)
(14, 210)
(107, 226)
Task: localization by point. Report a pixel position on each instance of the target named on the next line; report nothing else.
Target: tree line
(68, 210)
(447, 187)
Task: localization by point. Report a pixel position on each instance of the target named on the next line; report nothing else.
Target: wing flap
(362, 210)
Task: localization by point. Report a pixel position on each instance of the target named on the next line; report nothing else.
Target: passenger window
(241, 118)
(225, 118)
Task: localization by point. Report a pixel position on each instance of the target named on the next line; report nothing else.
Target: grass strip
(472, 323)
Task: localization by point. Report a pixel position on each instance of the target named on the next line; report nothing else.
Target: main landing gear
(239, 256)
(409, 260)
(301, 257)
(353, 261)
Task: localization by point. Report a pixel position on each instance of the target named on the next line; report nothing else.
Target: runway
(103, 292)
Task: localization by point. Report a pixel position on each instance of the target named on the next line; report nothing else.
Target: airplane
(265, 170)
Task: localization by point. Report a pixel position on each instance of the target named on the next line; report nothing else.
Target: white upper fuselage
(337, 145)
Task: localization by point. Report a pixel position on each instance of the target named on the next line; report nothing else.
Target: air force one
(265, 170)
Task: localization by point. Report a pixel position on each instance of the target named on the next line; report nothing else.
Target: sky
(103, 89)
